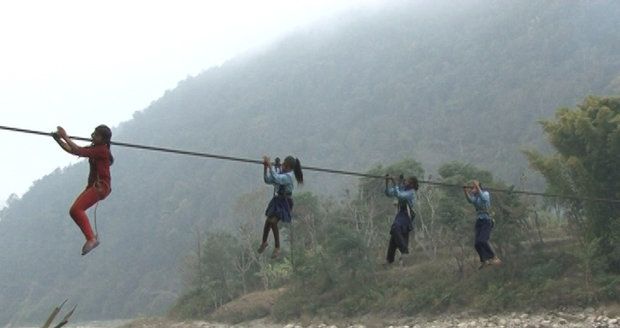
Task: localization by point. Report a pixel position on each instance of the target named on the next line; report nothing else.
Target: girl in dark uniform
(281, 205)
(403, 221)
(481, 200)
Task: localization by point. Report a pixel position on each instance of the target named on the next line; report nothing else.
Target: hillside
(445, 83)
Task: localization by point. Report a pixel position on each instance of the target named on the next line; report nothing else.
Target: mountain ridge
(468, 85)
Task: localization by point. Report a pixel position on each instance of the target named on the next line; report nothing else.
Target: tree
(586, 162)
(219, 254)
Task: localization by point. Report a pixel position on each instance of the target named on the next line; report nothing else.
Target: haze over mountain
(445, 82)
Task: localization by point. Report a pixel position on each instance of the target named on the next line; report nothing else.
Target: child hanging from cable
(99, 180)
(281, 205)
(403, 221)
(481, 200)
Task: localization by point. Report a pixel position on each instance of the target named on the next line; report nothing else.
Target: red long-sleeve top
(99, 158)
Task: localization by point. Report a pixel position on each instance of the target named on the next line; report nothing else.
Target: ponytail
(299, 174)
(105, 132)
(295, 165)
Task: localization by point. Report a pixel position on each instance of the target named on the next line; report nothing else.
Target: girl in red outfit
(99, 181)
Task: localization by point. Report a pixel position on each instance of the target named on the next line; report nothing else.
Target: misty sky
(82, 63)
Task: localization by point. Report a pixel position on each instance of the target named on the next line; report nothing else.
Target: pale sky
(81, 63)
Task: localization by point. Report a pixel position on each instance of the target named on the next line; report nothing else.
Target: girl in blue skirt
(281, 205)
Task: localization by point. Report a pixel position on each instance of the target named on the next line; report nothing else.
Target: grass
(549, 279)
(538, 278)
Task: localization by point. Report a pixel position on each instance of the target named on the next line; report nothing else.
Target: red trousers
(89, 197)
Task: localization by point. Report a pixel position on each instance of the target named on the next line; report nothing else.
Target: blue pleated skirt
(281, 208)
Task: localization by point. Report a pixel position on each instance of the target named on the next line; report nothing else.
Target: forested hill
(461, 82)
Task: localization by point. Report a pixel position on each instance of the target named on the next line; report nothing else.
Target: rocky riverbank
(556, 319)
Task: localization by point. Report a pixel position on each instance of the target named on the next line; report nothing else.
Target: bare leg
(276, 233)
(266, 230)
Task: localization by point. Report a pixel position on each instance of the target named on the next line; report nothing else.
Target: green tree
(219, 281)
(586, 162)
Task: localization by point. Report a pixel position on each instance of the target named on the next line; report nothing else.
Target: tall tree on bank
(587, 141)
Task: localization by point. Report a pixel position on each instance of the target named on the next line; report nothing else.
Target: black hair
(295, 164)
(414, 182)
(106, 133)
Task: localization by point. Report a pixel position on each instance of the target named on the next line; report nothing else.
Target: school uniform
(281, 205)
(482, 202)
(402, 224)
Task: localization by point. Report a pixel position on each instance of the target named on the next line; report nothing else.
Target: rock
(571, 317)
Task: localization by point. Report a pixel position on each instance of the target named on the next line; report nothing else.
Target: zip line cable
(312, 168)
